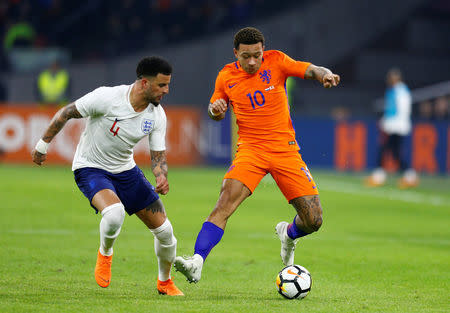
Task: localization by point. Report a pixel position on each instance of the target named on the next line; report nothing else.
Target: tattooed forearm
(159, 163)
(59, 120)
(316, 72)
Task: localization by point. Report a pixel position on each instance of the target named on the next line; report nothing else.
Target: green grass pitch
(381, 250)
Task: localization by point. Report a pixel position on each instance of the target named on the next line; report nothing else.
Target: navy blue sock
(294, 232)
(207, 238)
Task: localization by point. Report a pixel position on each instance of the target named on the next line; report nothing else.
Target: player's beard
(153, 100)
(156, 102)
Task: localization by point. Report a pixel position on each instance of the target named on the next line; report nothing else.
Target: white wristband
(41, 146)
(211, 112)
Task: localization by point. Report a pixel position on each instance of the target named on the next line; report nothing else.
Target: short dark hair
(248, 36)
(395, 71)
(152, 66)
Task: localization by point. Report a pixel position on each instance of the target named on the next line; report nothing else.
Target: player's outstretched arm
(58, 121)
(323, 75)
(160, 170)
(218, 109)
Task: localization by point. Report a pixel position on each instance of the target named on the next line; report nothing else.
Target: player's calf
(309, 213)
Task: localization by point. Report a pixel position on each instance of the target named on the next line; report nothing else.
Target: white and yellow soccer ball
(294, 282)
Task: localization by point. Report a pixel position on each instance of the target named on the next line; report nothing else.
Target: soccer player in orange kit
(255, 86)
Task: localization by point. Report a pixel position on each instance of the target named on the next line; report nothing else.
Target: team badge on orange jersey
(265, 76)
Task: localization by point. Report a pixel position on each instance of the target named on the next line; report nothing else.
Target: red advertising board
(22, 126)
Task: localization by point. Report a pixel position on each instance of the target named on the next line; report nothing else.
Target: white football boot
(287, 243)
(191, 267)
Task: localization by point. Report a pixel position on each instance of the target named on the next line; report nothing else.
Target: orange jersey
(259, 100)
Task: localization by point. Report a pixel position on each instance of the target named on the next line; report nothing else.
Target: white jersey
(113, 128)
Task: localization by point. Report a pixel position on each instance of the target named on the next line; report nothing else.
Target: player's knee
(316, 223)
(114, 215)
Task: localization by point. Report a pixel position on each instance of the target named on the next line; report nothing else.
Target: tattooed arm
(323, 75)
(159, 168)
(57, 123)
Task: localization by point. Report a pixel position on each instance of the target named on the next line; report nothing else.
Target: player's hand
(330, 80)
(219, 106)
(38, 157)
(162, 185)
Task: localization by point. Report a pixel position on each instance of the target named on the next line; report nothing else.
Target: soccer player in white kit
(104, 168)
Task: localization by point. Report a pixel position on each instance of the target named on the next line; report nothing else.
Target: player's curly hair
(248, 36)
(152, 66)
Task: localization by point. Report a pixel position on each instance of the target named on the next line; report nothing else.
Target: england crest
(147, 125)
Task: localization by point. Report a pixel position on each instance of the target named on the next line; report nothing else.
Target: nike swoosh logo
(292, 273)
(231, 86)
(107, 281)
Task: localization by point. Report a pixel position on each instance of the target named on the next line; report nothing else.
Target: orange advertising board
(21, 127)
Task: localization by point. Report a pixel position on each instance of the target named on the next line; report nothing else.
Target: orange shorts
(287, 169)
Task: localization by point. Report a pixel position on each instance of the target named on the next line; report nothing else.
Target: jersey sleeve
(403, 101)
(157, 138)
(292, 67)
(219, 90)
(94, 103)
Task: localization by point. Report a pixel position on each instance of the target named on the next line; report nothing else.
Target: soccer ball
(294, 282)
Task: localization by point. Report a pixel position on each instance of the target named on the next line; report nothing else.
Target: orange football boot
(103, 270)
(168, 288)
(405, 184)
(370, 182)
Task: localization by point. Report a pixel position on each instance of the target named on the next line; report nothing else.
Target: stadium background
(383, 250)
(196, 36)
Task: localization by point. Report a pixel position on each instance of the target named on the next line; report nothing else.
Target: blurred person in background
(441, 109)
(425, 110)
(53, 85)
(340, 113)
(16, 20)
(104, 168)
(19, 35)
(396, 126)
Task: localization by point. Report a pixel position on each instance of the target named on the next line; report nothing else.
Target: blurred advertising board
(194, 139)
(21, 127)
(353, 145)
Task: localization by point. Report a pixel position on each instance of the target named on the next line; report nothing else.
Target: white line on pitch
(400, 195)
